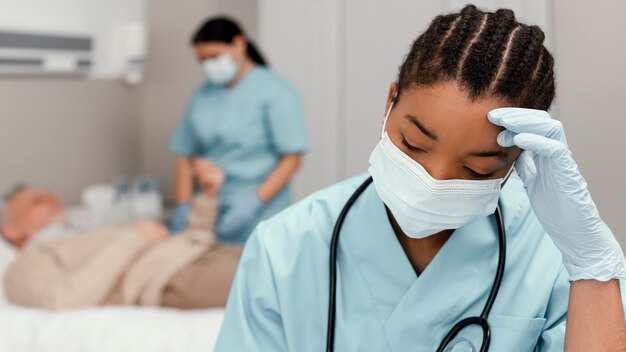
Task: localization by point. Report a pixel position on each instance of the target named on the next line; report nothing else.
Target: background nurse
(247, 120)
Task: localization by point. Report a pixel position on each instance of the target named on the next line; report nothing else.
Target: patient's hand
(152, 231)
(208, 174)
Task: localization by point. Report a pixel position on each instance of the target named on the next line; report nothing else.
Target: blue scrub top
(279, 299)
(245, 130)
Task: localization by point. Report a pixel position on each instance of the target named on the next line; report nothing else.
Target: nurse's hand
(241, 210)
(209, 175)
(558, 194)
(180, 216)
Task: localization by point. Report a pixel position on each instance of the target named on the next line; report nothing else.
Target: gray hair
(6, 197)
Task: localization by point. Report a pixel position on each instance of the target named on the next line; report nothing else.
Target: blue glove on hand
(558, 194)
(241, 209)
(180, 217)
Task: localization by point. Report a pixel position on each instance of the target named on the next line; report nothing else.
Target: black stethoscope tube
(480, 320)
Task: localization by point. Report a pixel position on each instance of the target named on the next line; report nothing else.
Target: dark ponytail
(223, 29)
(254, 54)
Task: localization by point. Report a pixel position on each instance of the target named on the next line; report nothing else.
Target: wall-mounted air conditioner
(31, 53)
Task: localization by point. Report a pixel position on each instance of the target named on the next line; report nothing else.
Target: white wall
(67, 134)
(302, 43)
(172, 74)
(591, 91)
(97, 18)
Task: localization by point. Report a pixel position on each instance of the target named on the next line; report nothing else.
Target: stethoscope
(476, 320)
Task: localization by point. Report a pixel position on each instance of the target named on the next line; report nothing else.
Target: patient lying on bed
(139, 264)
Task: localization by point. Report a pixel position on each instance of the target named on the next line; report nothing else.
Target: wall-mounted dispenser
(33, 53)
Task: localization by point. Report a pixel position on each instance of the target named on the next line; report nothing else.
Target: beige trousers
(206, 282)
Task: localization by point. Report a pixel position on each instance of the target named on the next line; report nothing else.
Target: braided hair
(489, 54)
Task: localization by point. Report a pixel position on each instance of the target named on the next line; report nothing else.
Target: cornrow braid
(487, 53)
(452, 49)
(425, 49)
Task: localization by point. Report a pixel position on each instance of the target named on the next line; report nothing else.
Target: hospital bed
(108, 329)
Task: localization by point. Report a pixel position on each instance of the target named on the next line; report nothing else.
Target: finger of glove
(521, 120)
(525, 167)
(177, 224)
(541, 145)
(505, 138)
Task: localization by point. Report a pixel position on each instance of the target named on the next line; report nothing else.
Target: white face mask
(220, 70)
(421, 204)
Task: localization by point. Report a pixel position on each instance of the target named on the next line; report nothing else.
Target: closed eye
(476, 174)
(411, 147)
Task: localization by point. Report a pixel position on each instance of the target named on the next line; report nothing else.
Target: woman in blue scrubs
(419, 248)
(246, 119)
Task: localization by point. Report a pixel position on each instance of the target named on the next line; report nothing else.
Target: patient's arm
(183, 185)
(202, 218)
(205, 206)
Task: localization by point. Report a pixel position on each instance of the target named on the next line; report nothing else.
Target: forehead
(25, 195)
(447, 110)
(211, 48)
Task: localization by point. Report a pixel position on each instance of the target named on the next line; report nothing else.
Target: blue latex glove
(558, 194)
(241, 209)
(180, 217)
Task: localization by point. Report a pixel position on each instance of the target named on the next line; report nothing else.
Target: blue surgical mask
(220, 70)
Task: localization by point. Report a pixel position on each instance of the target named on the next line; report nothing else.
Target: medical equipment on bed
(124, 200)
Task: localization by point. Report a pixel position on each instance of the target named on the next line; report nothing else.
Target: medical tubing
(484, 325)
(330, 334)
(501, 264)
(482, 320)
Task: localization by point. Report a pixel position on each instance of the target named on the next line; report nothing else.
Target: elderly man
(131, 264)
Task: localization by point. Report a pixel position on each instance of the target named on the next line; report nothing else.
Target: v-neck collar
(439, 297)
(242, 81)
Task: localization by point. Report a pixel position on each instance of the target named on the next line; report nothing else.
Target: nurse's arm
(280, 176)
(595, 319)
(183, 182)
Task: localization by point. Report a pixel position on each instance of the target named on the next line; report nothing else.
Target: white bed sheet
(108, 329)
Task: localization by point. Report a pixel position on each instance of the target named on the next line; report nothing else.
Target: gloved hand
(180, 217)
(241, 209)
(558, 194)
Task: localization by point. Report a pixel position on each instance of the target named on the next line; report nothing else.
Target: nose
(439, 169)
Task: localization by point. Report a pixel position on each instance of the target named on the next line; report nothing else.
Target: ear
(393, 88)
(12, 234)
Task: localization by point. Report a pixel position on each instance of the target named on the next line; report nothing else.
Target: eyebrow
(492, 153)
(483, 154)
(421, 127)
